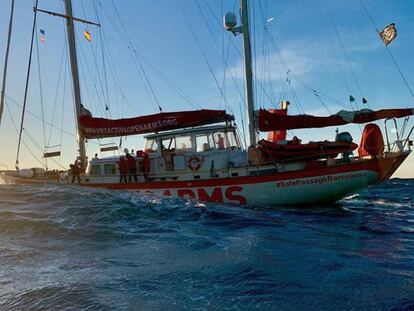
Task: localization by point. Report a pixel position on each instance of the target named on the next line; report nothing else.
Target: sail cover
(100, 127)
(273, 122)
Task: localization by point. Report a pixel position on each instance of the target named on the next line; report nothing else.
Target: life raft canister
(194, 163)
(372, 142)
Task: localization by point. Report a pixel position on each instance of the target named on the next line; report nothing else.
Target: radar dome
(230, 20)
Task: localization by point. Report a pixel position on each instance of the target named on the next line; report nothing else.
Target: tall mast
(248, 70)
(75, 78)
(230, 23)
(3, 88)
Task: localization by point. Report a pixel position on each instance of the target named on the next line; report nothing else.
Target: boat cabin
(195, 150)
(195, 153)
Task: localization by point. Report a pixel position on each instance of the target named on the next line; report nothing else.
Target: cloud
(309, 57)
(303, 58)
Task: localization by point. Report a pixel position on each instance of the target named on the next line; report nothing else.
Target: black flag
(388, 34)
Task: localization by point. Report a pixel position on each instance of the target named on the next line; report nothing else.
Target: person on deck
(75, 171)
(220, 142)
(132, 169)
(146, 165)
(143, 163)
(123, 168)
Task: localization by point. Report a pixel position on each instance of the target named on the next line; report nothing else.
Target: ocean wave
(69, 247)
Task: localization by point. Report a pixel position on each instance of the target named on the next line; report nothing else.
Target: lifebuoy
(194, 163)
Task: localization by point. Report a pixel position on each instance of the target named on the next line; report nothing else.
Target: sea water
(74, 248)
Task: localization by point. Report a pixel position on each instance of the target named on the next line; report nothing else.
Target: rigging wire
(63, 98)
(298, 79)
(33, 141)
(388, 50)
(105, 101)
(37, 117)
(137, 60)
(22, 141)
(222, 96)
(103, 59)
(201, 50)
(341, 44)
(225, 54)
(57, 92)
(266, 63)
(225, 61)
(27, 83)
(83, 63)
(6, 59)
(42, 108)
(335, 53)
(230, 37)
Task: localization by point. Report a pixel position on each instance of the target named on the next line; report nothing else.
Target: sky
(150, 53)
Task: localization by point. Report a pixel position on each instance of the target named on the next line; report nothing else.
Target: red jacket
(131, 162)
(122, 165)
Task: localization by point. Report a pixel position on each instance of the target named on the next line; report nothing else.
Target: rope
(222, 96)
(6, 60)
(39, 118)
(388, 50)
(334, 52)
(101, 37)
(105, 102)
(201, 50)
(57, 90)
(42, 108)
(27, 84)
(136, 59)
(341, 44)
(22, 141)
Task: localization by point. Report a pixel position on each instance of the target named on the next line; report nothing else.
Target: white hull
(327, 184)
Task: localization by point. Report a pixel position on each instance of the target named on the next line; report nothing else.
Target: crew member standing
(146, 165)
(132, 168)
(123, 168)
(75, 171)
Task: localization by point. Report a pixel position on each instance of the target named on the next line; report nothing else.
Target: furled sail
(273, 122)
(100, 127)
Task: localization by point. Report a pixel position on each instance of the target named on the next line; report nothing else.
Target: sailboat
(198, 154)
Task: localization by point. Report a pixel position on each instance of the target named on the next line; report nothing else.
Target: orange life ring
(194, 163)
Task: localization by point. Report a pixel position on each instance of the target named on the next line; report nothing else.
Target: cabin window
(204, 142)
(168, 144)
(232, 141)
(96, 170)
(110, 169)
(183, 143)
(220, 140)
(151, 145)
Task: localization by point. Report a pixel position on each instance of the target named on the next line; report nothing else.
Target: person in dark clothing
(123, 168)
(146, 166)
(132, 168)
(143, 163)
(75, 172)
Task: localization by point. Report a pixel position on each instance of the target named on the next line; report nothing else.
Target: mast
(75, 79)
(3, 88)
(248, 70)
(230, 23)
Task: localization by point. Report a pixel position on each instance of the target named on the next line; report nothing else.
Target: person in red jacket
(123, 168)
(146, 165)
(132, 168)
